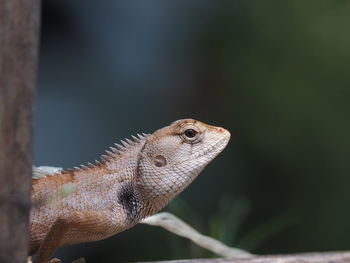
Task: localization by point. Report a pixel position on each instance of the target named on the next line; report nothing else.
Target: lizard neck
(154, 200)
(158, 189)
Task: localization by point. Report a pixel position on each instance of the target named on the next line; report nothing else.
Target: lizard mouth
(214, 148)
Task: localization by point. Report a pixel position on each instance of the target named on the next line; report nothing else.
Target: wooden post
(19, 26)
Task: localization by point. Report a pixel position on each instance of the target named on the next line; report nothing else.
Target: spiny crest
(118, 151)
(114, 152)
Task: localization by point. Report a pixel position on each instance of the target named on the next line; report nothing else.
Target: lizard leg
(52, 240)
(73, 228)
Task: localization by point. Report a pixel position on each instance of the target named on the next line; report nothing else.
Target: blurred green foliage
(285, 88)
(225, 225)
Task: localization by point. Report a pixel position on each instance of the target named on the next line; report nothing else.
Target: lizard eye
(190, 134)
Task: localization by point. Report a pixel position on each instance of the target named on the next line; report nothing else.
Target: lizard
(131, 182)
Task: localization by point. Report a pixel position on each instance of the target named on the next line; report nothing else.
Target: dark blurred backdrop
(275, 73)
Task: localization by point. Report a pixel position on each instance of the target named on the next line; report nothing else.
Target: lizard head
(173, 156)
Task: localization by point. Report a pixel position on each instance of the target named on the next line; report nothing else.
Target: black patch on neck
(130, 201)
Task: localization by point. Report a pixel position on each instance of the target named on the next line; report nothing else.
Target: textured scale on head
(173, 156)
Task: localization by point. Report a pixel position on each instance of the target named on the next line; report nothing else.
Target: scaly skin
(132, 182)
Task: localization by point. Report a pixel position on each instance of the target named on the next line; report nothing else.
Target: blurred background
(275, 73)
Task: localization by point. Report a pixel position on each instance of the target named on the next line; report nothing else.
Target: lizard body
(130, 183)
